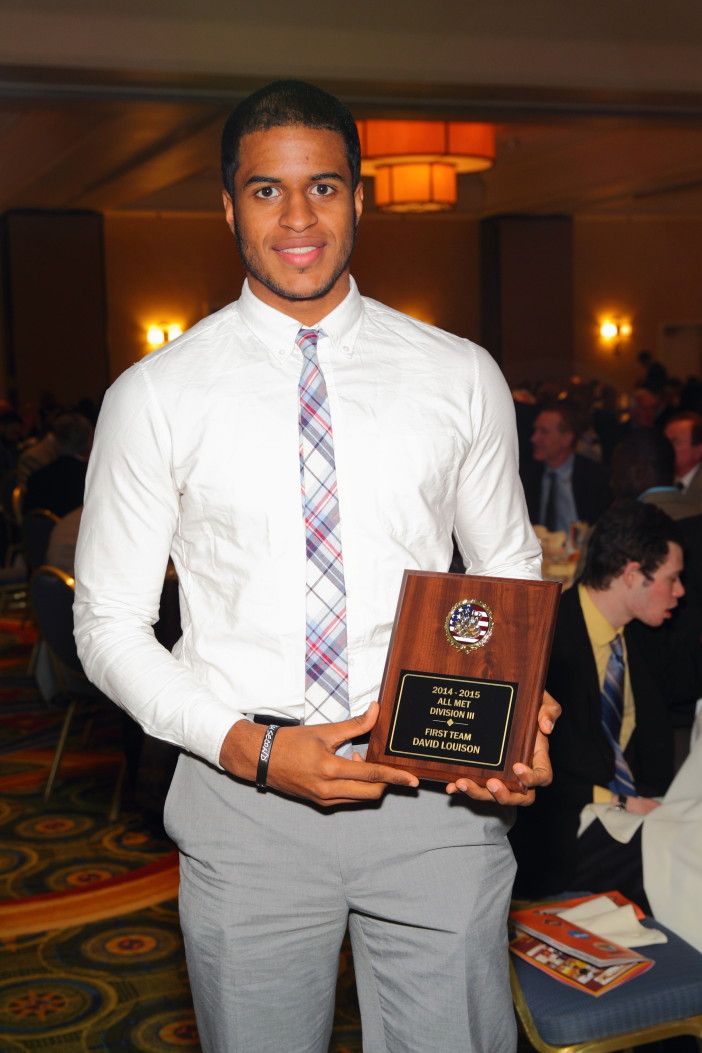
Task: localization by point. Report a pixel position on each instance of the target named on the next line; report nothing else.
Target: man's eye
(322, 189)
(268, 192)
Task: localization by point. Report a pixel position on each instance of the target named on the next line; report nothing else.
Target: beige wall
(163, 268)
(180, 268)
(425, 266)
(648, 271)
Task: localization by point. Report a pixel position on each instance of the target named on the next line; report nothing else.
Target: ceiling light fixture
(415, 163)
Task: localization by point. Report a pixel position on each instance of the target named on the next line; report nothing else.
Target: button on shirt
(196, 455)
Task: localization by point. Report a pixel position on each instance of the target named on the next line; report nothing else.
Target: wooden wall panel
(527, 294)
(54, 305)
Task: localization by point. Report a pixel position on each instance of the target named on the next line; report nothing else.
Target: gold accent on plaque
(469, 625)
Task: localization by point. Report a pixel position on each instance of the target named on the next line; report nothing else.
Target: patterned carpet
(91, 954)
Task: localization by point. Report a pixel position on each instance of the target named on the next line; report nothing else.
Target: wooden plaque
(464, 676)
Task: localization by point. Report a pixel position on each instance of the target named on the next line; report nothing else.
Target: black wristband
(264, 757)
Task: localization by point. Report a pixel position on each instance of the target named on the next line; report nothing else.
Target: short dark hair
(628, 531)
(288, 102)
(643, 458)
(570, 414)
(695, 419)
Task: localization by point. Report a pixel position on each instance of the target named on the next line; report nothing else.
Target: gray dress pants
(268, 885)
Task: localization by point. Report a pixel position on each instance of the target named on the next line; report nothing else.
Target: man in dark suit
(674, 651)
(643, 466)
(59, 486)
(598, 667)
(561, 486)
(684, 430)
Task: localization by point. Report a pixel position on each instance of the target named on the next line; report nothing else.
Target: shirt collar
(564, 471)
(687, 478)
(278, 331)
(599, 629)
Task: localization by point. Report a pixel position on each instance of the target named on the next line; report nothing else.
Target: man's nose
(299, 214)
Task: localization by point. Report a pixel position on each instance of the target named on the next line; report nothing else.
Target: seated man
(561, 486)
(643, 466)
(59, 486)
(684, 430)
(613, 742)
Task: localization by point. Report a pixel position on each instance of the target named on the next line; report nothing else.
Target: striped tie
(612, 708)
(326, 670)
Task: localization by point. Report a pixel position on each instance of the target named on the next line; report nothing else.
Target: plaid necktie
(612, 708)
(326, 670)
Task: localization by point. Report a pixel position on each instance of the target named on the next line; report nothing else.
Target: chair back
(51, 596)
(36, 531)
(16, 501)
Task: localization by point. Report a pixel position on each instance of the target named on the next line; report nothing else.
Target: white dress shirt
(196, 455)
(686, 479)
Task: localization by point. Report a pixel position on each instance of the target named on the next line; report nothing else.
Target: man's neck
(610, 605)
(559, 461)
(307, 312)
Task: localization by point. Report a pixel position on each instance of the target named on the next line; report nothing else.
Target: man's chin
(298, 292)
(296, 297)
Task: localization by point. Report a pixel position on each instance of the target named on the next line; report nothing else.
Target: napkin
(617, 924)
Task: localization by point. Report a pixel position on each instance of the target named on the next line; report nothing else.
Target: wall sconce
(612, 331)
(158, 335)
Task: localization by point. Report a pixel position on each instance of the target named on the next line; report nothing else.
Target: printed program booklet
(572, 954)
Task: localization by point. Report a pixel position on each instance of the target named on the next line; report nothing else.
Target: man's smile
(300, 255)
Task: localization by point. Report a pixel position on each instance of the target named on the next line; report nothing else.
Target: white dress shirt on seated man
(196, 455)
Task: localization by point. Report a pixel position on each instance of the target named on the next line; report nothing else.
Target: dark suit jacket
(58, 486)
(675, 650)
(590, 488)
(545, 839)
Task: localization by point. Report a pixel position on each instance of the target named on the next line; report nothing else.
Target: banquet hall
(532, 176)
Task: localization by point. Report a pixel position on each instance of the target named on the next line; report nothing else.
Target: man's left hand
(539, 774)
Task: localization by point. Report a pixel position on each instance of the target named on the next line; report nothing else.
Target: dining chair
(51, 595)
(661, 1003)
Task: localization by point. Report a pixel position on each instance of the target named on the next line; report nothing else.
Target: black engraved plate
(457, 720)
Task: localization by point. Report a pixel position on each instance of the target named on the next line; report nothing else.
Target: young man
(614, 742)
(294, 453)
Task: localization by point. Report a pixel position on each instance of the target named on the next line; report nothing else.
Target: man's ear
(229, 210)
(630, 573)
(358, 200)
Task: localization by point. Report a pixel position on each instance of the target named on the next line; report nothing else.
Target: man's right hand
(304, 763)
